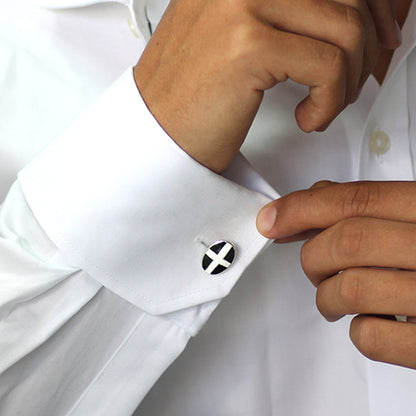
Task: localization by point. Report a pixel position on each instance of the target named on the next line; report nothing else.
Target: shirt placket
(411, 95)
(385, 148)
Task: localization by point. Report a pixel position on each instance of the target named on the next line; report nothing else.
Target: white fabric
(102, 286)
(395, 122)
(93, 219)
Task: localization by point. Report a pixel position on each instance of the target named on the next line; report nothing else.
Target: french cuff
(121, 200)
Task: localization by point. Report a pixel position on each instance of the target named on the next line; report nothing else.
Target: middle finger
(359, 242)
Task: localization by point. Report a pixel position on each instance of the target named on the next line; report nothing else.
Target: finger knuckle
(349, 240)
(321, 303)
(242, 40)
(356, 26)
(240, 34)
(335, 61)
(350, 290)
(367, 338)
(305, 258)
(359, 198)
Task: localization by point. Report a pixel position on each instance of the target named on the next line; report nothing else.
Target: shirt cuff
(121, 200)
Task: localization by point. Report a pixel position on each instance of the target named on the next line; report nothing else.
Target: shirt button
(379, 142)
(132, 27)
(218, 257)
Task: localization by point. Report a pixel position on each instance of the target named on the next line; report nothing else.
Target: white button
(132, 27)
(379, 142)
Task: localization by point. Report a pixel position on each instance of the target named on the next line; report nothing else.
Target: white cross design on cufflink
(215, 263)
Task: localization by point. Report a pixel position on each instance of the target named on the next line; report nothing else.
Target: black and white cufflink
(218, 257)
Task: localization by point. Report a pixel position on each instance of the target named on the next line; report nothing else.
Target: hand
(363, 262)
(204, 72)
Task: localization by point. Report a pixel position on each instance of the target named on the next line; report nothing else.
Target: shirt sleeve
(123, 202)
(102, 240)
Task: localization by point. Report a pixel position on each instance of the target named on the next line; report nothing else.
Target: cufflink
(218, 257)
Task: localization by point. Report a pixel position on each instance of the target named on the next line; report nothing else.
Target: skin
(203, 76)
(401, 9)
(359, 255)
(205, 70)
(361, 258)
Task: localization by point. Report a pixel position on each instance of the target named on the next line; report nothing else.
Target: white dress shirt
(103, 234)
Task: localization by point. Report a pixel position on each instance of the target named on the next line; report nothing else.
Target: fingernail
(266, 219)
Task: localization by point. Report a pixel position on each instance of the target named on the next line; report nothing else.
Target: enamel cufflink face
(218, 257)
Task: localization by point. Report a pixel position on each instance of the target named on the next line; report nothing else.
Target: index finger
(321, 207)
(388, 30)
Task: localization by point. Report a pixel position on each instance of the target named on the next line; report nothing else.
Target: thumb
(289, 228)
